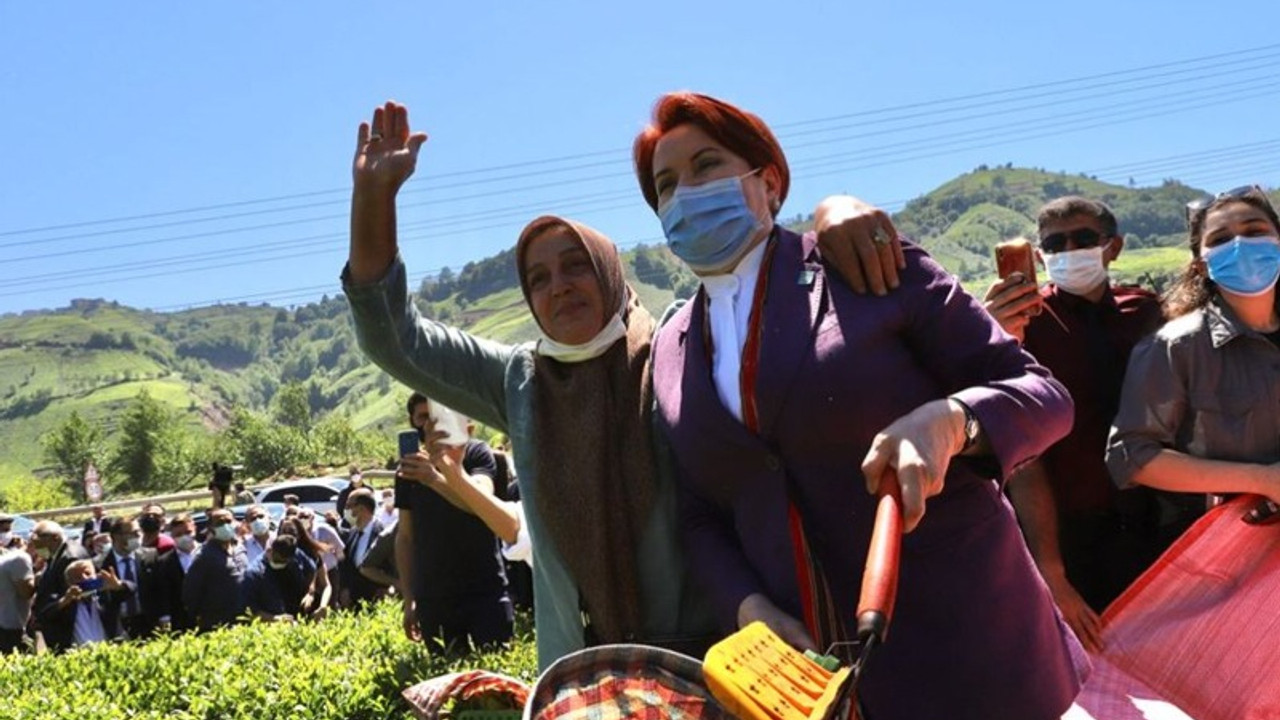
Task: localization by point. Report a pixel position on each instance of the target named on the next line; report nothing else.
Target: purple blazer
(975, 632)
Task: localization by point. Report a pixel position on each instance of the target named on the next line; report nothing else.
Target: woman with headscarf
(577, 404)
(780, 391)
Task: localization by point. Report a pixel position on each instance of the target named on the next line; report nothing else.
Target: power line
(605, 153)
(826, 160)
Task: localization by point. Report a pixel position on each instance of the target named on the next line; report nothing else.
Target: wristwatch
(971, 426)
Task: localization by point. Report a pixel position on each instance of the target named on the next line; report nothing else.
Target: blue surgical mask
(1245, 266)
(224, 533)
(710, 226)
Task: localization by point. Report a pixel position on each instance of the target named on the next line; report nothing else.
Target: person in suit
(85, 606)
(379, 564)
(777, 388)
(54, 619)
(355, 481)
(171, 571)
(131, 611)
(365, 529)
(213, 589)
(99, 523)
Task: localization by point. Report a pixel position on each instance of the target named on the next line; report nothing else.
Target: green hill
(205, 364)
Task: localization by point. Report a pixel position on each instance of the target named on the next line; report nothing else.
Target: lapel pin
(805, 277)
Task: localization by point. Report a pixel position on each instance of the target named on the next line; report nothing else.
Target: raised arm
(451, 366)
(386, 156)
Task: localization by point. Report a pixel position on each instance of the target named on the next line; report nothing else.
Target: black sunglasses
(1082, 237)
(1195, 208)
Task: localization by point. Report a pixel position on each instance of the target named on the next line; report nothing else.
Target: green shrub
(348, 667)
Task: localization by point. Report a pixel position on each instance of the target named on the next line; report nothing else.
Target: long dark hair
(308, 543)
(1193, 289)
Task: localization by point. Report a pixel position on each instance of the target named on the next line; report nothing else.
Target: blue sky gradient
(149, 110)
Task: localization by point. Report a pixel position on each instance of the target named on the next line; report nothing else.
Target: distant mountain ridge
(95, 355)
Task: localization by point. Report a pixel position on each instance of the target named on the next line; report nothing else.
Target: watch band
(971, 426)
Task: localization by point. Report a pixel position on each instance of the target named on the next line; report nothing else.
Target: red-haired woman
(1200, 410)
(577, 404)
(777, 389)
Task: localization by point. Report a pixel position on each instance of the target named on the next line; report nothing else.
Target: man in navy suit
(365, 529)
(171, 570)
(130, 612)
(99, 523)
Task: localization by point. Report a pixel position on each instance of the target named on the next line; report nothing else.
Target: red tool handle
(880, 577)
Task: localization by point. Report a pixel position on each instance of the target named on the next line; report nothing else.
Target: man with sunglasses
(1089, 539)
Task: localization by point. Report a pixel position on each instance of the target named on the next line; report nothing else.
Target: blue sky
(149, 110)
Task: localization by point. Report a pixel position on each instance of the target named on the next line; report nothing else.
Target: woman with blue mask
(787, 401)
(576, 403)
(1200, 411)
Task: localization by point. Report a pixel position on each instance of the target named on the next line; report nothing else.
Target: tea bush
(348, 667)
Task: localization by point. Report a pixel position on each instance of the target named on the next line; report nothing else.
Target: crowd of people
(133, 577)
(682, 477)
(685, 477)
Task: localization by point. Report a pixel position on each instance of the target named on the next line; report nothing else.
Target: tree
(141, 442)
(71, 447)
(265, 447)
(293, 407)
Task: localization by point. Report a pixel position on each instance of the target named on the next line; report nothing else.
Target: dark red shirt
(1088, 352)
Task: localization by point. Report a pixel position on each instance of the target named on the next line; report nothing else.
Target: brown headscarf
(594, 458)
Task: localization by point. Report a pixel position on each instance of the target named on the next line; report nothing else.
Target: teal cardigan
(494, 383)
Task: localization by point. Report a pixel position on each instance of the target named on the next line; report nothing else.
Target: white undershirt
(729, 315)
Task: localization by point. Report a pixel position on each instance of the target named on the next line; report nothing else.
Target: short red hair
(740, 132)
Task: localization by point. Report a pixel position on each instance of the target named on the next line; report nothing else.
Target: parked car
(22, 526)
(319, 494)
(274, 510)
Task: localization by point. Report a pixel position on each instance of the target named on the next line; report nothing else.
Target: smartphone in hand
(410, 443)
(1017, 255)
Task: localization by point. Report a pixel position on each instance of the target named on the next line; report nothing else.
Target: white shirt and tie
(127, 569)
(364, 541)
(185, 559)
(729, 316)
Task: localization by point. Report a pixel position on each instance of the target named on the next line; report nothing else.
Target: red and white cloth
(1198, 635)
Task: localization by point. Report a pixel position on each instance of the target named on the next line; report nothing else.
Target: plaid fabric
(1111, 694)
(1200, 628)
(429, 696)
(613, 682)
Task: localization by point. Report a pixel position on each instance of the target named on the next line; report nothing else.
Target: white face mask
(5, 537)
(185, 543)
(133, 544)
(1077, 271)
(349, 516)
(224, 533)
(260, 526)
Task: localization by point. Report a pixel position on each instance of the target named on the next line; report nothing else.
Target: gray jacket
(493, 383)
(1205, 385)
